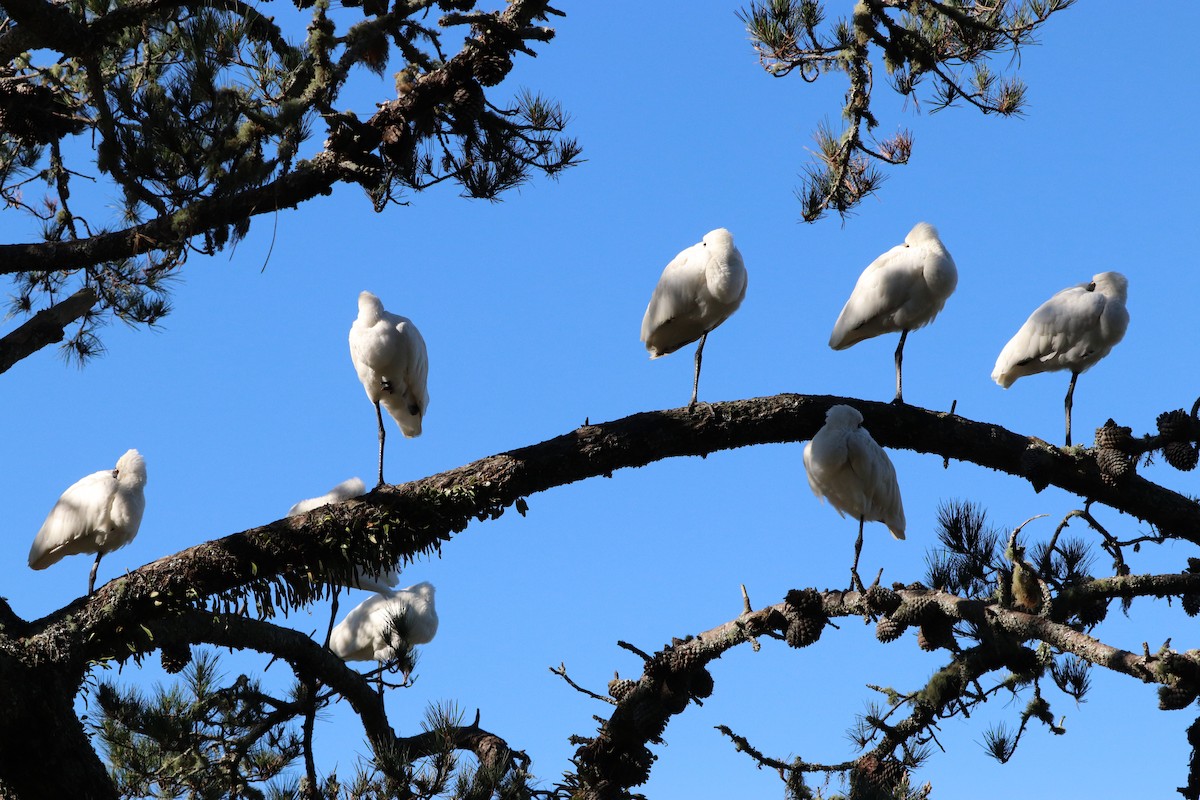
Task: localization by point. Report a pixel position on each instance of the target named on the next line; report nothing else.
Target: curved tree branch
(416, 517)
(45, 327)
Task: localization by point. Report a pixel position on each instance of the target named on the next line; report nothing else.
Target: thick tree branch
(308, 180)
(416, 517)
(45, 327)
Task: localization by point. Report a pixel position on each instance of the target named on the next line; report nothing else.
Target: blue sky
(245, 401)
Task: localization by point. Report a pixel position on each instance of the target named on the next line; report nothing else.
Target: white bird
(384, 626)
(1072, 330)
(698, 290)
(354, 487)
(347, 489)
(97, 514)
(849, 469)
(902, 290)
(390, 358)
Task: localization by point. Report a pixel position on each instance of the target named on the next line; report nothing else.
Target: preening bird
(97, 514)
(849, 469)
(1072, 330)
(902, 290)
(354, 487)
(347, 489)
(390, 358)
(383, 626)
(698, 290)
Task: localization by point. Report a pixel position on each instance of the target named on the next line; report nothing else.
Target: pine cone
(175, 657)
(1191, 604)
(803, 631)
(619, 688)
(1173, 698)
(490, 70)
(1174, 424)
(1114, 465)
(468, 100)
(882, 600)
(888, 629)
(935, 634)
(805, 602)
(912, 611)
(1111, 436)
(1181, 455)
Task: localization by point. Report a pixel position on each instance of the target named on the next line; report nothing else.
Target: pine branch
(46, 327)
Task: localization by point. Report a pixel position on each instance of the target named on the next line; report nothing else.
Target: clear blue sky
(245, 401)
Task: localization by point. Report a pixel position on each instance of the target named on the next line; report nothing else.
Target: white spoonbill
(390, 358)
(97, 514)
(1072, 330)
(698, 290)
(902, 290)
(849, 469)
(384, 625)
(347, 489)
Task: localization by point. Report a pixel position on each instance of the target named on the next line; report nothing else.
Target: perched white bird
(354, 487)
(902, 290)
(382, 627)
(390, 358)
(698, 290)
(849, 469)
(97, 514)
(1072, 330)
(347, 489)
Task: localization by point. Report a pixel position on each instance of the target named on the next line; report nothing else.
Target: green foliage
(948, 46)
(197, 738)
(198, 118)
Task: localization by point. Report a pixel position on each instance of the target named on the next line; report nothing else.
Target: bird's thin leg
(696, 382)
(855, 581)
(92, 577)
(382, 436)
(332, 615)
(900, 360)
(1067, 404)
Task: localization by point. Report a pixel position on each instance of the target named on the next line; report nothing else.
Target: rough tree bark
(285, 563)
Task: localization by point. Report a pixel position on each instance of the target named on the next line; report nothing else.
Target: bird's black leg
(855, 581)
(696, 382)
(1068, 402)
(332, 615)
(382, 436)
(900, 360)
(92, 577)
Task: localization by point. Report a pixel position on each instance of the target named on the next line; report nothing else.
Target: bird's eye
(116, 473)
(1091, 287)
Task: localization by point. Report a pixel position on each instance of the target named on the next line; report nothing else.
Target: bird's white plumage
(901, 290)
(390, 358)
(347, 489)
(368, 632)
(353, 487)
(849, 469)
(698, 290)
(97, 514)
(1072, 330)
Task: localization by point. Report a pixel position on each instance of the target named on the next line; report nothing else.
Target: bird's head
(423, 589)
(369, 306)
(131, 468)
(1113, 284)
(842, 416)
(720, 237)
(922, 232)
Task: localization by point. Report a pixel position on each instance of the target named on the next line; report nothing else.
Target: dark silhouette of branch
(45, 327)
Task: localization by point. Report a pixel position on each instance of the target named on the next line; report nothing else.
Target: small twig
(634, 650)
(746, 600)
(561, 672)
